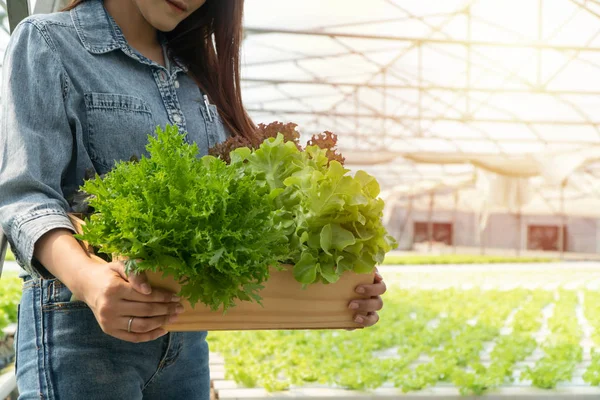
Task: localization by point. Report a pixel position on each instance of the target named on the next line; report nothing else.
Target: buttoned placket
(167, 85)
(167, 88)
(165, 82)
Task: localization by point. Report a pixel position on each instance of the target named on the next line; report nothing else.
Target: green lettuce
(211, 226)
(218, 227)
(337, 218)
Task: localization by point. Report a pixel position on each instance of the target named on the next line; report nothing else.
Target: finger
(140, 337)
(145, 325)
(142, 309)
(375, 289)
(128, 292)
(366, 305)
(139, 282)
(157, 296)
(119, 268)
(369, 319)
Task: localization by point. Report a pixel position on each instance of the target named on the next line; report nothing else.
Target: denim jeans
(62, 354)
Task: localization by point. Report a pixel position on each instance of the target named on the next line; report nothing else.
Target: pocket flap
(112, 101)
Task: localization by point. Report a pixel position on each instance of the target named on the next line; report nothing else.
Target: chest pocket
(118, 126)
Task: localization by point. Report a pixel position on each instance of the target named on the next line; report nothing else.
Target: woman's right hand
(115, 297)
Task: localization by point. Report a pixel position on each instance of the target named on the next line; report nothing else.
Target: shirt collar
(99, 33)
(97, 30)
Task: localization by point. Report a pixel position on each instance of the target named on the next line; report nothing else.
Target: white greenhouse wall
(583, 234)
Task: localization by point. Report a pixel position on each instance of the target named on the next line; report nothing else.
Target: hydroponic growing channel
(504, 341)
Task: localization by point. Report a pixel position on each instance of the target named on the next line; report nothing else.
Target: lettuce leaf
(214, 227)
(217, 227)
(336, 217)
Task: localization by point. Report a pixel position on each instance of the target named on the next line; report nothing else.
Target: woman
(82, 89)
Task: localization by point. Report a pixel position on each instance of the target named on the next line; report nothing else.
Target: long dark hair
(208, 43)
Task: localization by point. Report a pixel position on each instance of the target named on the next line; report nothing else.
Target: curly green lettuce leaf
(215, 228)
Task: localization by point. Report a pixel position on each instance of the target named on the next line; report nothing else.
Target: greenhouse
(477, 119)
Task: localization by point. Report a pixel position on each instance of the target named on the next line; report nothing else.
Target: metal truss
(398, 103)
(424, 104)
(400, 106)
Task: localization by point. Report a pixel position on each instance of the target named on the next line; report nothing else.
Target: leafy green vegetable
(263, 132)
(10, 294)
(562, 348)
(216, 226)
(337, 217)
(9, 255)
(206, 223)
(592, 374)
(424, 337)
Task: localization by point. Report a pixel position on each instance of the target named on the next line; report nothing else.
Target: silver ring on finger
(129, 324)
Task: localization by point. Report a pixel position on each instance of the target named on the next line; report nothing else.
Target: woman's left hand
(366, 309)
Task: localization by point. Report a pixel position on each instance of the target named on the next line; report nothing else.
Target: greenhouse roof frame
(372, 73)
(410, 130)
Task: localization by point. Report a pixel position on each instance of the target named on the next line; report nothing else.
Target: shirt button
(177, 118)
(176, 83)
(163, 76)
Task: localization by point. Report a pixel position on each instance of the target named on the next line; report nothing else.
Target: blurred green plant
(9, 256)
(424, 337)
(10, 294)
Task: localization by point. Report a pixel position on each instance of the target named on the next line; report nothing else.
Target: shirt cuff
(29, 228)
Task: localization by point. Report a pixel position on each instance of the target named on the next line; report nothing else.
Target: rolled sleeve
(29, 227)
(36, 142)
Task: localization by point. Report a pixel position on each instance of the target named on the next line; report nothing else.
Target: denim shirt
(76, 98)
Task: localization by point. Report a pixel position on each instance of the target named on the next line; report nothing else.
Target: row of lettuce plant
(425, 337)
(592, 314)
(562, 349)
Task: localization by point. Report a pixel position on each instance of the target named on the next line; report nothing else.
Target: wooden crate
(285, 304)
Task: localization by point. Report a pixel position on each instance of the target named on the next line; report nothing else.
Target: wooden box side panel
(285, 305)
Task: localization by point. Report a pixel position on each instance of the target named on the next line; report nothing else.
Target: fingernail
(378, 275)
(179, 309)
(353, 306)
(359, 320)
(172, 318)
(146, 288)
(175, 298)
(360, 290)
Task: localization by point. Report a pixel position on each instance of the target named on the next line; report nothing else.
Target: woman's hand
(115, 297)
(366, 309)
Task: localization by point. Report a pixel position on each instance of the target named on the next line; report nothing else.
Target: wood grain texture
(285, 305)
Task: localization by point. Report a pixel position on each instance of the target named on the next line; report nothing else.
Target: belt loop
(47, 290)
